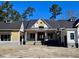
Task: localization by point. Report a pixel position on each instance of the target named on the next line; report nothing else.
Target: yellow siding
(41, 23)
(15, 36)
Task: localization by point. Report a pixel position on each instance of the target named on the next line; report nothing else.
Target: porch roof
(53, 23)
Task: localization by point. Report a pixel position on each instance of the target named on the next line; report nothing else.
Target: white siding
(71, 42)
(36, 25)
(78, 34)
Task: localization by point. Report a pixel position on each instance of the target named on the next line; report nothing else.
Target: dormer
(7, 20)
(72, 19)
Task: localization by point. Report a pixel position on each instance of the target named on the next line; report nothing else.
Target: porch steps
(33, 43)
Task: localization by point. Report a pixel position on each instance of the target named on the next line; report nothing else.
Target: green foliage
(55, 10)
(28, 12)
(7, 11)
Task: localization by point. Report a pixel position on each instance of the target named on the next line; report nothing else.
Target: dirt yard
(37, 51)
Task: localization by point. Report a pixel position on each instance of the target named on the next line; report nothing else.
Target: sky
(42, 8)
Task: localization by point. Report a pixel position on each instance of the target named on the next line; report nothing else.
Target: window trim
(72, 37)
(5, 38)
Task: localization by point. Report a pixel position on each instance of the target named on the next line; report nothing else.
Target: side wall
(15, 36)
(71, 42)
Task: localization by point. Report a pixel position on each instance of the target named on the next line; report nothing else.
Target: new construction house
(53, 32)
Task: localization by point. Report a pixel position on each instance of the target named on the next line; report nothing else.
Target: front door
(41, 36)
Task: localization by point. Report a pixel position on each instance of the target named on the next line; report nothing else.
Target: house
(61, 32)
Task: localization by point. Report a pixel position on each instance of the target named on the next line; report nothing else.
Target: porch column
(35, 37)
(25, 36)
(62, 38)
(45, 35)
(0, 38)
(46, 38)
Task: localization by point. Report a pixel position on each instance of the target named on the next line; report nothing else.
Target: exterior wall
(39, 23)
(70, 42)
(78, 35)
(15, 36)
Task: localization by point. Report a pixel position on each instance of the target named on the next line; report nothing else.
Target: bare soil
(37, 51)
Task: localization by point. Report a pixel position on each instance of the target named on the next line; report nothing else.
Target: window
(50, 36)
(32, 35)
(71, 36)
(41, 26)
(5, 37)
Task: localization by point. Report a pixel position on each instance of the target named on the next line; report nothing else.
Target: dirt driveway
(37, 51)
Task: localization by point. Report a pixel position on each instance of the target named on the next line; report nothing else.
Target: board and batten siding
(15, 36)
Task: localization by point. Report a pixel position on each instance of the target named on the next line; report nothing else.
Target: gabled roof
(28, 24)
(76, 22)
(66, 24)
(32, 22)
(53, 23)
(46, 22)
(60, 23)
(15, 25)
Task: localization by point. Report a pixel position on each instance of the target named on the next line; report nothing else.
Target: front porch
(42, 36)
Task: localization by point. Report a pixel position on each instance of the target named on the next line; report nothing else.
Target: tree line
(7, 11)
